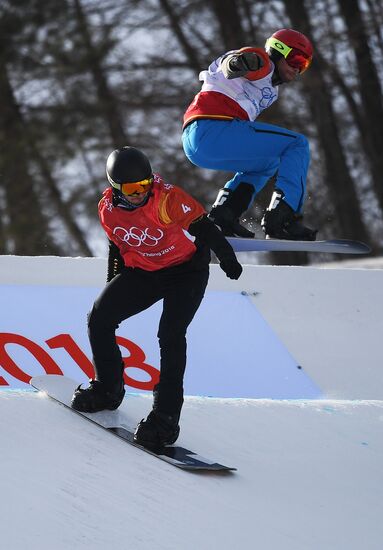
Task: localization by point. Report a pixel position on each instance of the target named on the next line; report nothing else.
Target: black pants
(132, 291)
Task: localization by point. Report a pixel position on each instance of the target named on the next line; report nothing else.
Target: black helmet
(127, 165)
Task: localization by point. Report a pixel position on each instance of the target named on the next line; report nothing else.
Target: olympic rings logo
(136, 237)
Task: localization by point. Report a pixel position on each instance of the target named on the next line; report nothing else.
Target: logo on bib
(137, 237)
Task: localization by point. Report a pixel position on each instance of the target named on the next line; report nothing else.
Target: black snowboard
(60, 388)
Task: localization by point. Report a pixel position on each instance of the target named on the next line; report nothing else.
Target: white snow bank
(309, 472)
(330, 320)
(309, 477)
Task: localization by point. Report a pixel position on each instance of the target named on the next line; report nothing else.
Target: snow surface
(310, 473)
(309, 478)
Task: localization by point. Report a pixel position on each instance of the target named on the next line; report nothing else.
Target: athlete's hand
(251, 61)
(231, 267)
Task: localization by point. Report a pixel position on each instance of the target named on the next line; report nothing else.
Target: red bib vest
(152, 236)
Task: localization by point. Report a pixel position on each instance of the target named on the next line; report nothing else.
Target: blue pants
(255, 151)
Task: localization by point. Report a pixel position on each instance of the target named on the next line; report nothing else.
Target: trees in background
(79, 78)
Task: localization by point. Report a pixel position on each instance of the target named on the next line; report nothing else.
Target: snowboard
(60, 388)
(335, 246)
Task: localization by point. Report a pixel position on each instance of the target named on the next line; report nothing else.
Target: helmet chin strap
(276, 79)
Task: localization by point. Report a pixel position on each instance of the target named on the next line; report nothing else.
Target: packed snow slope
(309, 472)
(309, 478)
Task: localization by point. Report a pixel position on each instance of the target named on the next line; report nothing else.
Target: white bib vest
(252, 95)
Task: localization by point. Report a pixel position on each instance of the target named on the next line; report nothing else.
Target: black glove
(205, 230)
(240, 64)
(231, 267)
(251, 61)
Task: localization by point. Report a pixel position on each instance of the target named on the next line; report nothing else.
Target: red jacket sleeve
(181, 208)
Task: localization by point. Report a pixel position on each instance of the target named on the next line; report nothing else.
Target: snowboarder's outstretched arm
(206, 231)
(250, 63)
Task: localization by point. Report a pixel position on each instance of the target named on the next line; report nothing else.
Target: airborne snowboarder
(220, 132)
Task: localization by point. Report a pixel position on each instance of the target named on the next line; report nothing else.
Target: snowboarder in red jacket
(160, 240)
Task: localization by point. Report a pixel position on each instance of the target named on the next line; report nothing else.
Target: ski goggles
(295, 58)
(133, 188)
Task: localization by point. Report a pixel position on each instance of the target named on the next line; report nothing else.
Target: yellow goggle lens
(134, 188)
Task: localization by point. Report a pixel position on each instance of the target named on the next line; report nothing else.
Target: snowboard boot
(281, 222)
(228, 207)
(97, 397)
(159, 429)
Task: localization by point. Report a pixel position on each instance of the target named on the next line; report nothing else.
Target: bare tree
(341, 187)
(370, 92)
(176, 26)
(80, 78)
(28, 231)
(108, 103)
(230, 22)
